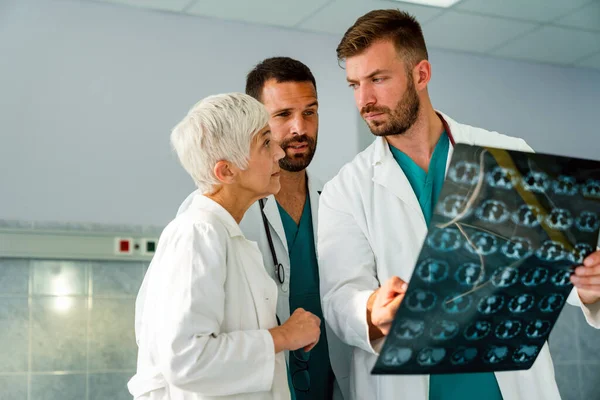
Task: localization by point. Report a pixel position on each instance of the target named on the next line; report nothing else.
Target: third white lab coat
(253, 227)
(371, 228)
(203, 314)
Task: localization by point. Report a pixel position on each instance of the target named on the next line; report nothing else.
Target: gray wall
(90, 92)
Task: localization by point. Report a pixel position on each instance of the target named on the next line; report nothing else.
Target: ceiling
(560, 32)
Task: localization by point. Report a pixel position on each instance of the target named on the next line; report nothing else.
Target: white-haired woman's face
(262, 175)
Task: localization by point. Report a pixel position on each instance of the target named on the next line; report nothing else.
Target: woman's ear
(224, 172)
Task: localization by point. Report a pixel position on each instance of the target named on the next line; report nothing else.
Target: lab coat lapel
(274, 218)
(388, 174)
(262, 287)
(314, 192)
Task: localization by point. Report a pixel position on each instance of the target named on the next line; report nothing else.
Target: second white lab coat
(253, 227)
(371, 228)
(203, 314)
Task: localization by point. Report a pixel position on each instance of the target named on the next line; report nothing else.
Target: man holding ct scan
(374, 214)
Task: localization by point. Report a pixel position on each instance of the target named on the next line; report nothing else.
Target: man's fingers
(587, 271)
(310, 346)
(394, 304)
(388, 312)
(581, 281)
(397, 285)
(592, 259)
(385, 328)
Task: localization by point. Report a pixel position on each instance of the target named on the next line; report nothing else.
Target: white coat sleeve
(591, 312)
(347, 270)
(194, 355)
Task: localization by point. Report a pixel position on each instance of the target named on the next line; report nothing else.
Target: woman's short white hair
(219, 127)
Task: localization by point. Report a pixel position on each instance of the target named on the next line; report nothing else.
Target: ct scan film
(493, 273)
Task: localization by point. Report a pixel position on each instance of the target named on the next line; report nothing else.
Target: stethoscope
(279, 270)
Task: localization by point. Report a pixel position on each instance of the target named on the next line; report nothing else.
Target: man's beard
(298, 162)
(401, 119)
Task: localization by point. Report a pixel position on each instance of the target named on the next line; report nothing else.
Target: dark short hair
(282, 69)
(397, 26)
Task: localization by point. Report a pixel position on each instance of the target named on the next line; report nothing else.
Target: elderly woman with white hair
(205, 315)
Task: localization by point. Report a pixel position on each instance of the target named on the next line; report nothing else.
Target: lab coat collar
(272, 211)
(388, 173)
(201, 202)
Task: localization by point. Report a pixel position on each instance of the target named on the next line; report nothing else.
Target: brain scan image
(485, 244)
(591, 188)
(469, 274)
(505, 277)
(420, 300)
(561, 278)
(409, 329)
(527, 216)
(522, 303)
(490, 304)
(444, 330)
(551, 251)
(525, 353)
(534, 276)
(580, 252)
(551, 303)
(452, 206)
(495, 354)
(463, 355)
(565, 186)
(431, 356)
(537, 182)
(464, 172)
(588, 222)
(397, 356)
(501, 178)
(456, 304)
(559, 219)
(537, 329)
(508, 329)
(493, 211)
(432, 271)
(517, 248)
(477, 330)
(445, 240)
(495, 263)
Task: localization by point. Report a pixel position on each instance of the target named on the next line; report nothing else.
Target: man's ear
(422, 75)
(224, 172)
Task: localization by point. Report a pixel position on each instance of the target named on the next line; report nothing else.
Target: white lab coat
(371, 228)
(253, 227)
(203, 314)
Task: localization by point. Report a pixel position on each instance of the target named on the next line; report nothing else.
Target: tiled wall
(575, 348)
(67, 329)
